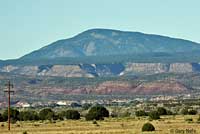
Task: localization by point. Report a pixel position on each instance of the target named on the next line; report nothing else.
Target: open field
(166, 125)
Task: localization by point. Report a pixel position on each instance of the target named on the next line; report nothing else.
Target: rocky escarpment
(155, 68)
(65, 71)
(46, 70)
(102, 70)
(143, 88)
(181, 68)
(160, 87)
(146, 68)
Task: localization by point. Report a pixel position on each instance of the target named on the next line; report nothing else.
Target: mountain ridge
(107, 42)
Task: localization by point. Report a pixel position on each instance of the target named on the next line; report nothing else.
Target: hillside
(102, 61)
(57, 88)
(104, 46)
(104, 42)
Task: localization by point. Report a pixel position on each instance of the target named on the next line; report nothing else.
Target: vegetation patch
(148, 127)
(97, 113)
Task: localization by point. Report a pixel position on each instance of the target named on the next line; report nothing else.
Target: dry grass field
(166, 125)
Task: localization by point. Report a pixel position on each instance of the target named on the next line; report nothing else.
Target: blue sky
(27, 25)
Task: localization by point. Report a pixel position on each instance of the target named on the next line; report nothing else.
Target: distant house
(62, 103)
(69, 103)
(23, 104)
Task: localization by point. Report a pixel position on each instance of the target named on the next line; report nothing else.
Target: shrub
(94, 122)
(189, 119)
(46, 114)
(28, 116)
(2, 125)
(198, 118)
(59, 116)
(162, 111)
(140, 113)
(192, 112)
(71, 114)
(148, 127)
(1, 118)
(170, 112)
(97, 113)
(93, 116)
(154, 115)
(25, 132)
(184, 111)
(114, 114)
(13, 121)
(86, 106)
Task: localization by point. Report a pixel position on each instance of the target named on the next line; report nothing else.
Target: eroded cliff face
(54, 70)
(181, 68)
(64, 71)
(102, 70)
(146, 68)
(155, 68)
(22, 70)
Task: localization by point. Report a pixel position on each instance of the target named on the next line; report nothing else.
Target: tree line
(94, 113)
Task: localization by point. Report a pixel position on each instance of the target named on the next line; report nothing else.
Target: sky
(27, 25)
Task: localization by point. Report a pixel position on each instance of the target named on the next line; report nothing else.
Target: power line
(9, 86)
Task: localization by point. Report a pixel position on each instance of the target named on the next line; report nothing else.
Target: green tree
(170, 112)
(192, 112)
(97, 113)
(1, 118)
(184, 111)
(71, 114)
(46, 114)
(140, 113)
(14, 114)
(28, 115)
(86, 106)
(162, 111)
(154, 115)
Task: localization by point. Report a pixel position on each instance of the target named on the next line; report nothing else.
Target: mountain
(103, 42)
(103, 61)
(105, 53)
(105, 46)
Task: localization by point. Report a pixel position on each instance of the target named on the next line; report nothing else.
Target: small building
(62, 103)
(23, 104)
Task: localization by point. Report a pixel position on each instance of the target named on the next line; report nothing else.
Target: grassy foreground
(166, 125)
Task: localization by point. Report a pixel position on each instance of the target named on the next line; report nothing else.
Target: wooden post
(9, 86)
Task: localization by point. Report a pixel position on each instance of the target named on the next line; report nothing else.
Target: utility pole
(9, 86)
